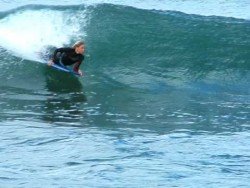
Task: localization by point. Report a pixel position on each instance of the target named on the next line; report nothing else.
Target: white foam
(28, 32)
(226, 8)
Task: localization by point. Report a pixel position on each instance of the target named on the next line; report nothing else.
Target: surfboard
(63, 68)
(59, 67)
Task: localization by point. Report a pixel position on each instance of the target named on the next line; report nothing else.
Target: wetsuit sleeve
(61, 50)
(78, 63)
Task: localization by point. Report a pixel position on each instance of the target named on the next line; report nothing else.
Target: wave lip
(226, 8)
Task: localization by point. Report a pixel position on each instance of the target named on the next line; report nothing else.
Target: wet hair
(77, 44)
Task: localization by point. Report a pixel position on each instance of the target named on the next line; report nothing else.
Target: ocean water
(165, 100)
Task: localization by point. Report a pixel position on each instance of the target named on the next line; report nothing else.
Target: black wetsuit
(68, 56)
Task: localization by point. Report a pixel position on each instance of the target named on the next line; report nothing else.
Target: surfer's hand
(80, 73)
(50, 63)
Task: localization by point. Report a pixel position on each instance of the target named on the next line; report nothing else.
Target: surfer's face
(80, 49)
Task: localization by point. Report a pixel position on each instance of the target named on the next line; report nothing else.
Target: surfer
(69, 56)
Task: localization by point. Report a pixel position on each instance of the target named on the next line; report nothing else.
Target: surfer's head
(79, 47)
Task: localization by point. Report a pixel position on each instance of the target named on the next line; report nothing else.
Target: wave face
(161, 47)
(168, 46)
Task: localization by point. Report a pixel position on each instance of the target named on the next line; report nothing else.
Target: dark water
(164, 101)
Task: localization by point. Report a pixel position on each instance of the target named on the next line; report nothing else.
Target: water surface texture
(165, 100)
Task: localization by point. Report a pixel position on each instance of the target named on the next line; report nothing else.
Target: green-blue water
(165, 100)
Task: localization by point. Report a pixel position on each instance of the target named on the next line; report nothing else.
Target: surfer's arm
(77, 66)
(60, 50)
(78, 63)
